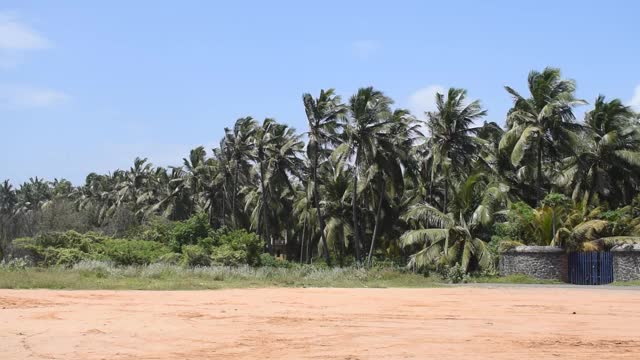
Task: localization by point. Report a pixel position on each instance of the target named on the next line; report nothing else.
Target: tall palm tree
(239, 142)
(8, 198)
(276, 151)
(609, 160)
(134, 185)
(323, 114)
(452, 141)
(542, 124)
(386, 174)
(369, 114)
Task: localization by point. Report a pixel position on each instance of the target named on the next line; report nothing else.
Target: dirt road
(448, 323)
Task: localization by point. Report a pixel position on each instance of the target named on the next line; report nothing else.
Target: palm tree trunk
(316, 201)
(224, 202)
(354, 210)
(304, 229)
(446, 194)
(210, 212)
(539, 172)
(308, 255)
(235, 194)
(265, 211)
(378, 212)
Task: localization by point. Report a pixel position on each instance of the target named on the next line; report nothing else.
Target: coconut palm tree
(133, 187)
(8, 198)
(608, 164)
(450, 238)
(543, 124)
(386, 176)
(240, 145)
(323, 114)
(369, 114)
(452, 141)
(276, 153)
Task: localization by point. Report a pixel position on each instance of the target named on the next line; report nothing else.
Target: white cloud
(30, 97)
(635, 100)
(17, 38)
(15, 35)
(423, 100)
(365, 49)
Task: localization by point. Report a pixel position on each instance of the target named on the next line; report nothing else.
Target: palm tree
(276, 152)
(386, 174)
(542, 124)
(453, 144)
(337, 206)
(323, 114)
(450, 238)
(134, 185)
(609, 159)
(239, 142)
(369, 114)
(8, 198)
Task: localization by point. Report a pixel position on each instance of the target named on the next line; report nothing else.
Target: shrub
(507, 245)
(225, 255)
(236, 248)
(65, 257)
(170, 259)
(207, 243)
(132, 252)
(190, 231)
(454, 274)
(157, 229)
(268, 260)
(194, 255)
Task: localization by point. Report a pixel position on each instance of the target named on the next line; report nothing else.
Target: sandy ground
(448, 323)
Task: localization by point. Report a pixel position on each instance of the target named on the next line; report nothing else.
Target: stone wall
(626, 262)
(540, 262)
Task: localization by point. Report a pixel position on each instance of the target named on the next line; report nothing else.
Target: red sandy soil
(446, 323)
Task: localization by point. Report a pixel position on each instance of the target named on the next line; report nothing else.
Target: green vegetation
(200, 246)
(100, 275)
(373, 184)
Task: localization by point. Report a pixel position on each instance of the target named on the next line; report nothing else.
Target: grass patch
(511, 279)
(626, 283)
(98, 275)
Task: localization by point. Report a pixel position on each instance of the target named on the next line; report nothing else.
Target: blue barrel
(591, 268)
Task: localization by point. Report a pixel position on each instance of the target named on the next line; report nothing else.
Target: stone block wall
(540, 262)
(626, 262)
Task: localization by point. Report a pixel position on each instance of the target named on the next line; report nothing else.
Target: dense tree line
(373, 181)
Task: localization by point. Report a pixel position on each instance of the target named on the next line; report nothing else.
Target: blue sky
(87, 86)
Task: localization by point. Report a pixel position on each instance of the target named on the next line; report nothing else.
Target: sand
(444, 323)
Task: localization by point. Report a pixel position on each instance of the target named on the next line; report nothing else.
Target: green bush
(455, 274)
(236, 248)
(189, 232)
(268, 260)
(156, 229)
(132, 252)
(194, 255)
(65, 257)
(170, 259)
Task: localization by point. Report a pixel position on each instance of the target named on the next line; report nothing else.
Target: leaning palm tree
(391, 165)
(542, 124)
(323, 114)
(452, 141)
